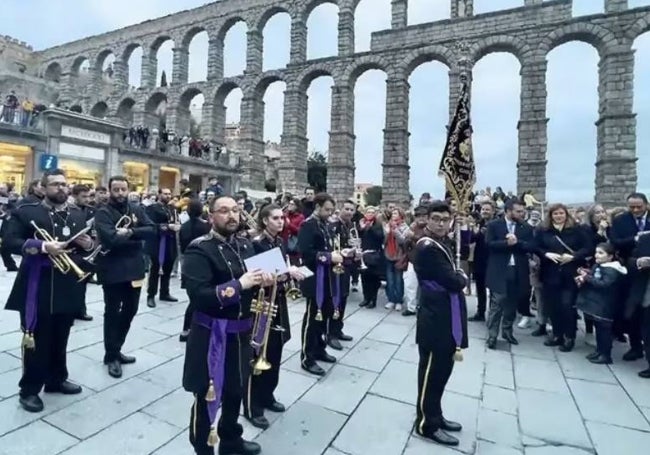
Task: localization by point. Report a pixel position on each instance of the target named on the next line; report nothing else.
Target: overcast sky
(572, 87)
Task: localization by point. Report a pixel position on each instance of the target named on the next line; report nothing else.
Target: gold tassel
(28, 341)
(458, 355)
(213, 438)
(337, 315)
(319, 315)
(211, 395)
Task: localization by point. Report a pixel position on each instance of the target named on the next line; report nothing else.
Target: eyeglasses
(440, 220)
(226, 211)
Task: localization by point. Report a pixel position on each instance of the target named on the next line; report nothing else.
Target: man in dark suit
(638, 301)
(508, 240)
(481, 258)
(625, 234)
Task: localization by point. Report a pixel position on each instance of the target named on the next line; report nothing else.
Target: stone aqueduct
(529, 32)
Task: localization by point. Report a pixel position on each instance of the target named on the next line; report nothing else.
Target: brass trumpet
(355, 242)
(264, 314)
(63, 263)
(249, 220)
(124, 222)
(294, 292)
(338, 268)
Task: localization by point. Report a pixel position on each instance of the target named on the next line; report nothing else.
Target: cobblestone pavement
(529, 400)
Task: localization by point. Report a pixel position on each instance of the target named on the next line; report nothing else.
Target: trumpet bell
(294, 293)
(261, 365)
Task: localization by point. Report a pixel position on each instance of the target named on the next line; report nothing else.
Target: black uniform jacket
(162, 215)
(192, 229)
(57, 293)
(500, 252)
(264, 242)
(434, 329)
(211, 261)
(315, 245)
(125, 260)
(342, 229)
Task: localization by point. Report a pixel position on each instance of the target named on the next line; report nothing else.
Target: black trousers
(313, 332)
(603, 337)
(370, 284)
(84, 310)
(481, 291)
(7, 259)
(434, 370)
(560, 301)
(187, 320)
(120, 307)
(354, 274)
(228, 428)
(46, 363)
(335, 326)
(260, 388)
(155, 276)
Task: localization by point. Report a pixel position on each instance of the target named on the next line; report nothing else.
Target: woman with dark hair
(293, 219)
(371, 232)
(193, 228)
(563, 247)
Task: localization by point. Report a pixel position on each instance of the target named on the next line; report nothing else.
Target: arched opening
(164, 57)
(495, 106)
(156, 112)
(197, 46)
(99, 110)
(133, 59)
(105, 62)
(277, 41)
(234, 48)
(272, 128)
(642, 109)
(370, 16)
(53, 72)
(190, 113)
(323, 31)
(225, 117)
(80, 67)
(428, 115)
(423, 11)
(572, 109)
(76, 108)
(369, 123)
(319, 116)
(125, 112)
(486, 6)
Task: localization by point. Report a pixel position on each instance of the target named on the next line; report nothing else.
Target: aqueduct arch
(529, 32)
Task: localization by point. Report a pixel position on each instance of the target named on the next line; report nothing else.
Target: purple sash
(162, 247)
(219, 328)
(336, 292)
(258, 337)
(320, 285)
(456, 323)
(34, 264)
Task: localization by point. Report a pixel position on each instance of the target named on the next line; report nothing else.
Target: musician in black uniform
(162, 247)
(218, 353)
(342, 228)
(80, 194)
(47, 299)
(315, 243)
(261, 387)
(441, 330)
(121, 269)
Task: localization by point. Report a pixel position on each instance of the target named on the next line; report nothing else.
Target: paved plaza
(528, 400)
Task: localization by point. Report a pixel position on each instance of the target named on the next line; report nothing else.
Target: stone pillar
(252, 142)
(532, 127)
(254, 51)
(455, 85)
(139, 117)
(346, 32)
(207, 121)
(149, 69)
(298, 53)
(399, 13)
(120, 76)
(67, 88)
(615, 6)
(292, 168)
(395, 181)
(215, 59)
(180, 66)
(340, 161)
(616, 174)
(462, 8)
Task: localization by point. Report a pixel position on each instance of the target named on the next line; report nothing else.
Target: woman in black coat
(372, 244)
(563, 247)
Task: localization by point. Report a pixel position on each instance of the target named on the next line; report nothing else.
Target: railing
(19, 118)
(155, 145)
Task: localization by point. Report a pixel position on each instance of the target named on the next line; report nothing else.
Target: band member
(441, 330)
(342, 229)
(162, 248)
(121, 227)
(217, 359)
(316, 247)
(46, 298)
(80, 194)
(261, 387)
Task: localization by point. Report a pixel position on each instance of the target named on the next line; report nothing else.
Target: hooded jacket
(599, 294)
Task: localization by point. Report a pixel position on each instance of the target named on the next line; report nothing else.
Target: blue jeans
(394, 283)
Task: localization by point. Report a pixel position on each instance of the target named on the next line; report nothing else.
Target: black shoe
(621, 338)
(168, 298)
(371, 305)
(593, 355)
(408, 312)
(240, 448)
(126, 359)
(85, 317)
(540, 331)
(276, 406)
(313, 368)
(185, 334)
(325, 357)
(31, 403)
(601, 360)
(509, 338)
(65, 388)
(491, 343)
(554, 341)
(260, 422)
(645, 374)
(343, 337)
(632, 355)
(364, 303)
(568, 345)
(12, 269)
(478, 317)
(151, 302)
(448, 425)
(115, 369)
(334, 343)
(441, 437)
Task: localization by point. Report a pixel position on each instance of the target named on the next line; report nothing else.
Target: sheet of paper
(270, 261)
(305, 271)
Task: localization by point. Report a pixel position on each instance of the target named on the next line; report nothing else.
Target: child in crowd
(598, 296)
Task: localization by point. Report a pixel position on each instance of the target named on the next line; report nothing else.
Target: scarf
(392, 249)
